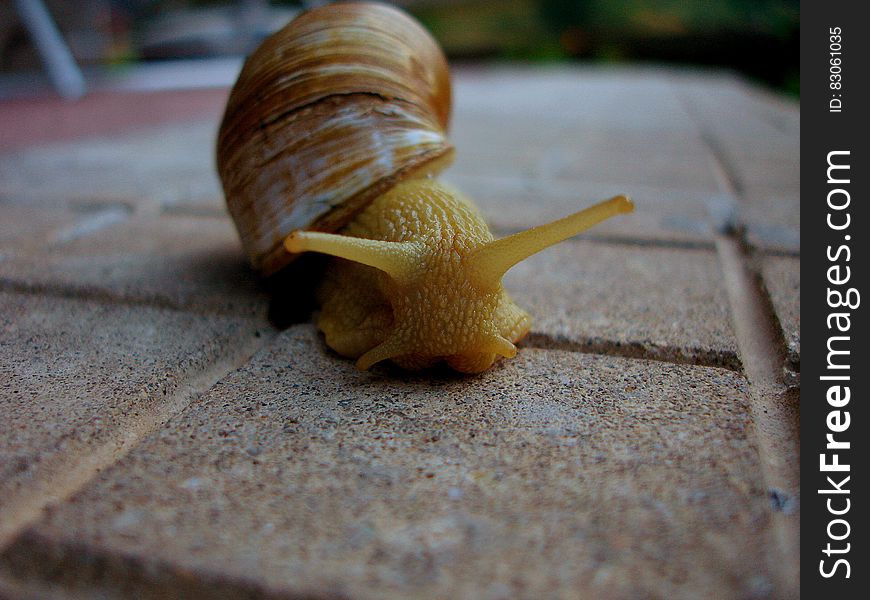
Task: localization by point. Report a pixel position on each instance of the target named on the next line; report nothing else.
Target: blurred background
(108, 38)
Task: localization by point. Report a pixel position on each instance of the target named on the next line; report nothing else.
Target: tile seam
(618, 240)
(725, 359)
(64, 475)
(774, 404)
(111, 574)
(91, 294)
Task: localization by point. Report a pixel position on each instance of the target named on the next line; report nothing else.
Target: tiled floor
(173, 427)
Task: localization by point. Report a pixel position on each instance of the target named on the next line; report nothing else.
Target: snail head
(443, 276)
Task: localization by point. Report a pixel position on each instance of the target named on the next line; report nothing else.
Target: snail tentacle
(497, 344)
(389, 349)
(494, 259)
(400, 260)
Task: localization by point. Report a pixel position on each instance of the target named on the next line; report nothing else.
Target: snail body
(417, 274)
(418, 279)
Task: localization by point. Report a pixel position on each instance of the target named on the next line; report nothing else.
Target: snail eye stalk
(493, 260)
(398, 259)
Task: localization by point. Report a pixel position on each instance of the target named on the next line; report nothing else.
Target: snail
(331, 140)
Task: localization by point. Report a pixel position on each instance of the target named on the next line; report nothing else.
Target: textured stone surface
(76, 375)
(661, 214)
(621, 299)
(772, 220)
(576, 140)
(162, 165)
(538, 151)
(754, 139)
(630, 99)
(29, 227)
(555, 474)
(28, 121)
(742, 120)
(176, 261)
(782, 280)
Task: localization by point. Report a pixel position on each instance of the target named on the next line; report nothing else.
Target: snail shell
(327, 114)
(338, 121)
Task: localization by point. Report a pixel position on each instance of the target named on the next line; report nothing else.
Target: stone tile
(772, 219)
(742, 117)
(661, 214)
(578, 152)
(77, 377)
(780, 176)
(782, 280)
(23, 227)
(755, 135)
(553, 475)
(176, 261)
(627, 98)
(161, 165)
(641, 301)
(32, 226)
(119, 101)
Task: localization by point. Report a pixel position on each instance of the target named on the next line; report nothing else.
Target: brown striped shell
(327, 114)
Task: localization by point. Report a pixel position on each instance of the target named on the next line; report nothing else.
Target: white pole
(62, 68)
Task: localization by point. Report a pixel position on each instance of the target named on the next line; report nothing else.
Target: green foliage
(773, 17)
(758, 37)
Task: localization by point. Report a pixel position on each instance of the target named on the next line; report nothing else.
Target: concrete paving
(565, 470)
(782, 279)
(175, 427)
(82, 377)
(596, 296)
(174, 261)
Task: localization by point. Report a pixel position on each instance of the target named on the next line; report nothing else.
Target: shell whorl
(327, 114)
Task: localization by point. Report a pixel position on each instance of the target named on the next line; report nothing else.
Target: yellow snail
(338, 123)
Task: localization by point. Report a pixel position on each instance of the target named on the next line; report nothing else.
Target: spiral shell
(327, 114)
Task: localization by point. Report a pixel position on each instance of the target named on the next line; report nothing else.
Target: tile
(145, 168)
(554, 474)
(782, 280)
(666, 215)
(576, 151)
(772, 219)
(754, 135)
(628, 98)
(78, 378)
(116, 103)
(33, 227)
(177, 261)
(743, 119)
(655, 302)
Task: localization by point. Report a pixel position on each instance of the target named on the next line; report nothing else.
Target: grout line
(724, 359)
(95, 294)
(754, 258)
(723, 169)
(774, 252)
(61, 476)
(624, 240)
(39, 568)
(774, 405)
(650, 243)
